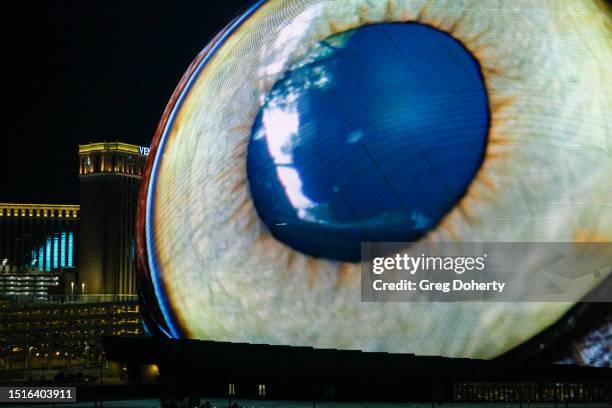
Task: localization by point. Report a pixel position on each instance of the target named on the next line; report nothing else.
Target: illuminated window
(70, 249)
(231, 389)
(48, 255)
(262, 390)
(55, 251)
(41, 258)
(63, 250)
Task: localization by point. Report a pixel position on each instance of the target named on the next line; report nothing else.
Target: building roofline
(111, 147)
(41, 206)
(61, 211)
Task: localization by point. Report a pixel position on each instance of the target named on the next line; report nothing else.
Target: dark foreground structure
(39, 340)
(215, 369)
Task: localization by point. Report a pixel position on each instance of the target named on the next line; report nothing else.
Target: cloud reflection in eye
(219, 269)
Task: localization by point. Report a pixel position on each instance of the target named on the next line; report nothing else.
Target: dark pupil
(374, 136)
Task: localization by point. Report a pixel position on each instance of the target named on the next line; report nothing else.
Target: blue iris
(372, 137)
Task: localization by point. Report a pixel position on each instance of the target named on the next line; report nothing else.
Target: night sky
(81, 71)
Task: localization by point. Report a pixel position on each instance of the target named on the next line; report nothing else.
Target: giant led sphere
(306, 128)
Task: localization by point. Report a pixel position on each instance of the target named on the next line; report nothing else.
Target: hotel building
(67, 272)
(38, 237)
(110, 175)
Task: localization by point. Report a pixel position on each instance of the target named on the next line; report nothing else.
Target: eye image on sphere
(306, 128)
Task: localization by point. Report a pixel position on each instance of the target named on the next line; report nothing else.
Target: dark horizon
(84, 72)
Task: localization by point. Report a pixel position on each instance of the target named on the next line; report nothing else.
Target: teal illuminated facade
(38, 237)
